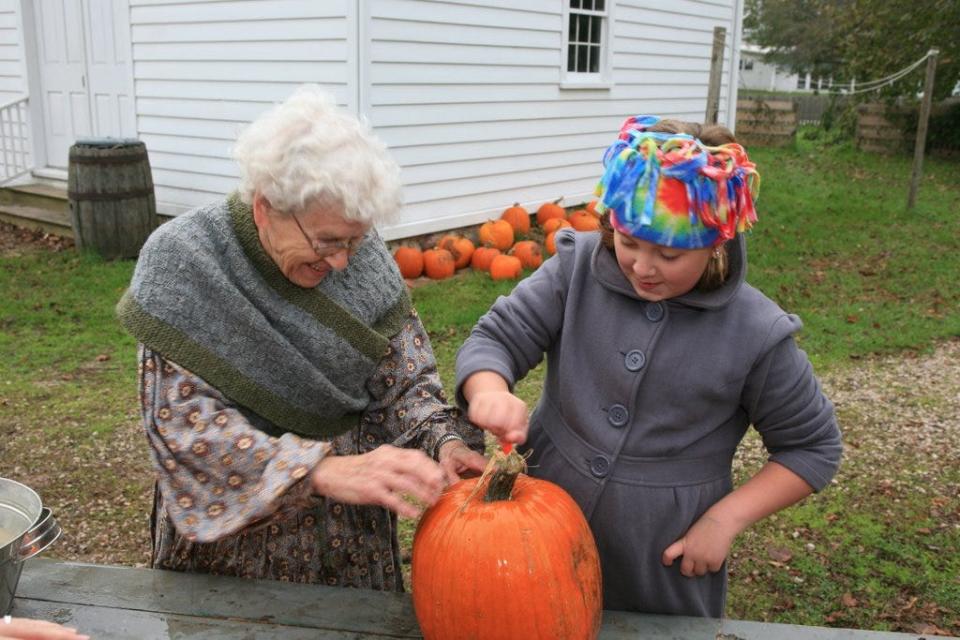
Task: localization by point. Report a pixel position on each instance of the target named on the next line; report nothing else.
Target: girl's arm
(508, 341)
(493, 408)
(705, 545)
(799, 429)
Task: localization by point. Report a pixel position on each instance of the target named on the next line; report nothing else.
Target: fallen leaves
(779, 555)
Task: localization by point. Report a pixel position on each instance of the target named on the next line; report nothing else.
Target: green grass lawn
(833, 245)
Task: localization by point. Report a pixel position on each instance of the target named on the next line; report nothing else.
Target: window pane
(598, 5)
(588, 5)
(583, 29)
(574, 4)
(595, 36)
(582, 52)
(572, 28)
(571, 57)
(595, 59)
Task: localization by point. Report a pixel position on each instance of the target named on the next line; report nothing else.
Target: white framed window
(586, 44)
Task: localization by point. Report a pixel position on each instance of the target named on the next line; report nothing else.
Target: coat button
(634, 360)
(600, 466)
(654, 312)
(617, 415)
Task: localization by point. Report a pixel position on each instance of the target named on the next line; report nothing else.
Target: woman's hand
(383, 477)
(458, 460)
(26, 629)
(704, 547)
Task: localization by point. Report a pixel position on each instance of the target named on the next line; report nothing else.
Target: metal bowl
(26, 529)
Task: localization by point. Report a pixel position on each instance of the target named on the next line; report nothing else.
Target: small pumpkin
(550, 242)
(553, 224)
(583, 220)
(410, 261)
(447, 241)
(512, 558)
(529, 254)
(438, 264)
(506, 268)
(496, 233)
(518, 218)
(482, 257)
(461, 248)
(550, 210)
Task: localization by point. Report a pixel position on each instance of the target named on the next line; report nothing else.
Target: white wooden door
(83, 58)
(107, 29)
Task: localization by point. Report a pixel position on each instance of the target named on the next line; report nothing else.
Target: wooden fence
(876, 133)
(882, 128)
(766, 123)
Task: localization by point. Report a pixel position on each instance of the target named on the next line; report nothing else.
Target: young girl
(659, 356)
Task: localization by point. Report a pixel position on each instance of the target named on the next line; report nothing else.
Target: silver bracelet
(442, 440)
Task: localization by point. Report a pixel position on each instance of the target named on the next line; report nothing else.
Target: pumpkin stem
(507, 468)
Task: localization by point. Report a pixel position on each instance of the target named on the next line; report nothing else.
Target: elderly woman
(288, 389)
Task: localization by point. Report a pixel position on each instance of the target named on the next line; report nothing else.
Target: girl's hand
(382, 476)
(458, 460)
(501, 413)
(704, 547)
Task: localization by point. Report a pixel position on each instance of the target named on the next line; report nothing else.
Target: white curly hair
(307, 150)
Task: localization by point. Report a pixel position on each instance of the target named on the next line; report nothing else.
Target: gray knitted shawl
(207, 296)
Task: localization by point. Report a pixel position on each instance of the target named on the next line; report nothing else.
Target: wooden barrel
(112, 205)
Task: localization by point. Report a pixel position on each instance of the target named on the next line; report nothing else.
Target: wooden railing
(14, 140)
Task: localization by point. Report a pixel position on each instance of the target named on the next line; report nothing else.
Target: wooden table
(109, 602)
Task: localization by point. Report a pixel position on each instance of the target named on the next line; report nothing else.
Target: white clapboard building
(482, 102)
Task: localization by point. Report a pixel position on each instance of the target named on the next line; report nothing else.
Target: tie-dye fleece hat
(671, 189)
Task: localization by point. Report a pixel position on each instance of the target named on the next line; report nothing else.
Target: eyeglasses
(327, 248)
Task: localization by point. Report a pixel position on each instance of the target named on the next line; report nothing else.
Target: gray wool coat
(644, 404)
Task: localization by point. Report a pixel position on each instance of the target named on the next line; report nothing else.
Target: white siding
(467, 95)
(12, 81)
(203, 69)
(15, 152)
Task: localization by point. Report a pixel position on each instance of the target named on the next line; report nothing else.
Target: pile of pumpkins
(507, 246)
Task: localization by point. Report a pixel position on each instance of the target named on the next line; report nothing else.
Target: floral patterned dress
(231, 500)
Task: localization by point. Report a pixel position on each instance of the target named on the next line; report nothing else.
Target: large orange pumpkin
(506, 268)
(482, 258)
(438, 264)
(583, 220)
(529, 254)
(550, 210)
(514, 559)
(410, 261)
(518, 218)
(496, 233)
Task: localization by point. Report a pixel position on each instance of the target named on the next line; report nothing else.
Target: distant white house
(482, 102)
(758, 75)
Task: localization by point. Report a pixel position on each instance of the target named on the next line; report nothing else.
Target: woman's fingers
(383, 476)
(27, 629)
